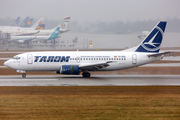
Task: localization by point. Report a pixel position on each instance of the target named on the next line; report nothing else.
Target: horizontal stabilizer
(158, 54)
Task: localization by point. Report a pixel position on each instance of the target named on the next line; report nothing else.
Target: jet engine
(69, 69)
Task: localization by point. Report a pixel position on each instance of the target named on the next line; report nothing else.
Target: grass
(88, 102)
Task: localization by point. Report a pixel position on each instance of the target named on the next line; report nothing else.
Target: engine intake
(69, 69)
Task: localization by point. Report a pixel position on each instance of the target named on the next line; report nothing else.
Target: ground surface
(88, 102)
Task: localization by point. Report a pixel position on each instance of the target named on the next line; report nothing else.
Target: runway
(94, 80)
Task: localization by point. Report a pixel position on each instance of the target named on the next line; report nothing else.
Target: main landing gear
(24, 75)
(86, 74)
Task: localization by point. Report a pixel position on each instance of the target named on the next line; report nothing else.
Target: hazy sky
(91, 10)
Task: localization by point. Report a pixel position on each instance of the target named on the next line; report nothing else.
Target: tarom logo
(153, 46)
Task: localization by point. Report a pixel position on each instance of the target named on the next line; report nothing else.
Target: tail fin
(40, 21)
(63, 25)
(24, 22)
(41, 27)
(152, 42)
(28, 23)
(54, 34)
(16, 22)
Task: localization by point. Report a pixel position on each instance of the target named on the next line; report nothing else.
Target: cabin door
(134, 59)
(29, 59)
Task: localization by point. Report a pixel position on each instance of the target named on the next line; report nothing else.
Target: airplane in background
(29, 31)
(28, 23)
(34, 27)
(16, 22)
(41, 27)
(64, 25)
(8, 29)
(143, 34)
(26, 39)
(24, 22)
(76, 62)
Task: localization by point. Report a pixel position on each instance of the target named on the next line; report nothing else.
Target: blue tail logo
(152, 42)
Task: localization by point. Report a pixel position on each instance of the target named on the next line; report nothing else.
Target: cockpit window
(16, 58)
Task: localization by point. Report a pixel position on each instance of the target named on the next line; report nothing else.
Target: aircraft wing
(22, 40)
(26, 40)
(26, 34)
(94, 66)
(158, 54)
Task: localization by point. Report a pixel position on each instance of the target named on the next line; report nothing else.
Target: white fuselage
(14, 28)
(23, 39)
(48, 61)
(26, 31)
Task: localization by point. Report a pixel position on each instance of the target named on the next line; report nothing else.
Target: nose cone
(7, 63)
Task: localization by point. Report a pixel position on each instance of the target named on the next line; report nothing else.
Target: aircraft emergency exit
(77, 62)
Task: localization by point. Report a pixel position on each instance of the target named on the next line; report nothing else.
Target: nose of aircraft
(7, 63)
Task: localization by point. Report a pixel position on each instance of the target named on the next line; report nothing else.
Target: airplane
(8, 29)
(25, 39)
(22, 31)
(16, 22)
(24, 22)
(76, 62)
(28, 23)
(143, 34)
(40, 27)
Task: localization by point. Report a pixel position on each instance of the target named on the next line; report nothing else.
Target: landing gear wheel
(86, 74)
(23, 75)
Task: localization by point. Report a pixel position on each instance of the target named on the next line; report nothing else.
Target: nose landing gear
(24, 75)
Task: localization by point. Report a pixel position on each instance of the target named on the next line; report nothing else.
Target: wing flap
(94, 66)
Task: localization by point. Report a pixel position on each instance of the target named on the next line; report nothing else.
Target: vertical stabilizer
(63, 25)
(152, 42)
(40, 21)
(16, 22)
(28, 23)
(24, 22)
(54, 34)
(41, 27)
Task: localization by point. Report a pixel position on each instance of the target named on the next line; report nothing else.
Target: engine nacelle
(69, 69)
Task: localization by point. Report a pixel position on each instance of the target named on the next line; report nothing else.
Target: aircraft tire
(86, 74)
(23, 75)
